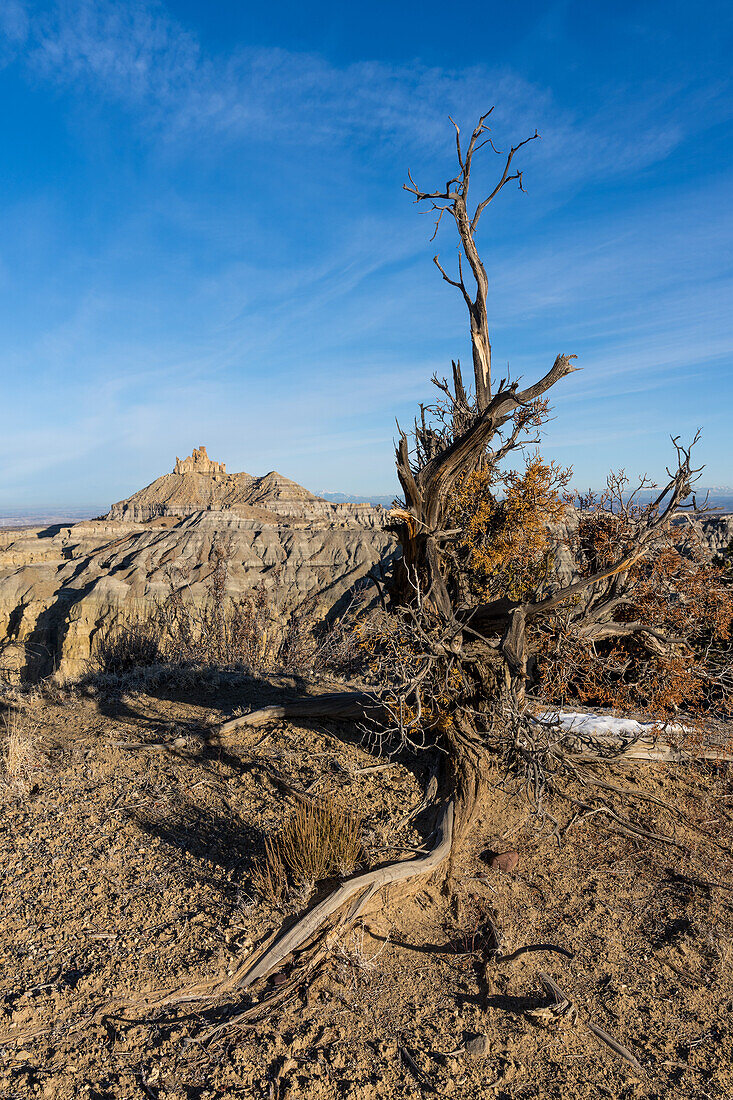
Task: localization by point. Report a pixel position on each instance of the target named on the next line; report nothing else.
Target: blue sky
(204, 237)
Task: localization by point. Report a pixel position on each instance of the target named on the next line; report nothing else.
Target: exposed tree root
(307, 927)
(337, 704)
(627, 827)
(252, 1015)
(562, 1005)
(358, 890)
(370, 881)
(306, 971)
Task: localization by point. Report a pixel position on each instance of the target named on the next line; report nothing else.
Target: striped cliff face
(199, 486)
(58, 591)
(60, 586)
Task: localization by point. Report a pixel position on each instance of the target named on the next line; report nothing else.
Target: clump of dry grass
(268, 874)
(318, 840)
(23, 756)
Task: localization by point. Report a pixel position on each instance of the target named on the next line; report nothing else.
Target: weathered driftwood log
(338, 704)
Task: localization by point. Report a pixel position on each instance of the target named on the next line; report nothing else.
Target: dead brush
(269, 877)
(351, 949)
(128, 646)
(23, 755)
(319, 839)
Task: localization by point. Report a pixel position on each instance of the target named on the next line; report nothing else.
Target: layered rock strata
(197, 483)
(60, 586)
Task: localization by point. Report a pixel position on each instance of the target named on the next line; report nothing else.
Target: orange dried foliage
(676, 590)
(506, 545)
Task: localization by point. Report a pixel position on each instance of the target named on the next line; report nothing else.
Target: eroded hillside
(61, 586)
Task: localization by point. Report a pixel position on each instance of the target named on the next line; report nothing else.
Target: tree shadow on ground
(228, 693)
(222, 840)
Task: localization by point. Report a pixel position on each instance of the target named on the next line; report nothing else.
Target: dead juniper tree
(497, 580)
(477, 604)
(477, 590)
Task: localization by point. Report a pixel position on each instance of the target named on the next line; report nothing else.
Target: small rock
(477, 1046)
(503, 861)
(180, 743)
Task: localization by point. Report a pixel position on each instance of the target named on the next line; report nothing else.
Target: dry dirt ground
(128, 849)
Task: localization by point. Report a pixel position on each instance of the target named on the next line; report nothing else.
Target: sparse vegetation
(509, 594)
(251, 633)
(123, 648)
(269, 878)
(23, 756)
(319, 839)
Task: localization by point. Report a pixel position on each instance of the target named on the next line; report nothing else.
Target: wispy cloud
(267, 287)
(137, 55)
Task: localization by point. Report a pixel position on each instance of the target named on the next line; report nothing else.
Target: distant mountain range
(721, 499)
(344, 498)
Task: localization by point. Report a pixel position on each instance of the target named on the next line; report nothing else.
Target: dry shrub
(220, 631)
(213, 629)
(23, 755)
(256, 631)
(268, 874)
(319, 839)
(359, 965)
(506, 545)
(247, 633)
(181, 632)
(677, 590)
(128, 646)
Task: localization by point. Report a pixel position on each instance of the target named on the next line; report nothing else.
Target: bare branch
(505, 178)
(460, 285)
(458, 142)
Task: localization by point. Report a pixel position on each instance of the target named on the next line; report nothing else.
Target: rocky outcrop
(58, 591)
(199, 462)
(60, 586)
(717, 530)
(197, 484)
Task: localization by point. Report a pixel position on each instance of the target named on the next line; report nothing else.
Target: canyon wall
(60, 586)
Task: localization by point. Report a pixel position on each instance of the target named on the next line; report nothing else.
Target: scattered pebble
(477, 1046)
(504, 861)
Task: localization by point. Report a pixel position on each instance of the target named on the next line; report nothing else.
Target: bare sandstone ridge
(197, 484)
(60, 586)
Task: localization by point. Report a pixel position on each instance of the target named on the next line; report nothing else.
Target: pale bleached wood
(372, 880)
(337, 704)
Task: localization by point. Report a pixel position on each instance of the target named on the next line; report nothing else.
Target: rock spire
(198, 462)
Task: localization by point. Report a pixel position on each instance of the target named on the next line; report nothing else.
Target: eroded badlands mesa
(60, 586)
